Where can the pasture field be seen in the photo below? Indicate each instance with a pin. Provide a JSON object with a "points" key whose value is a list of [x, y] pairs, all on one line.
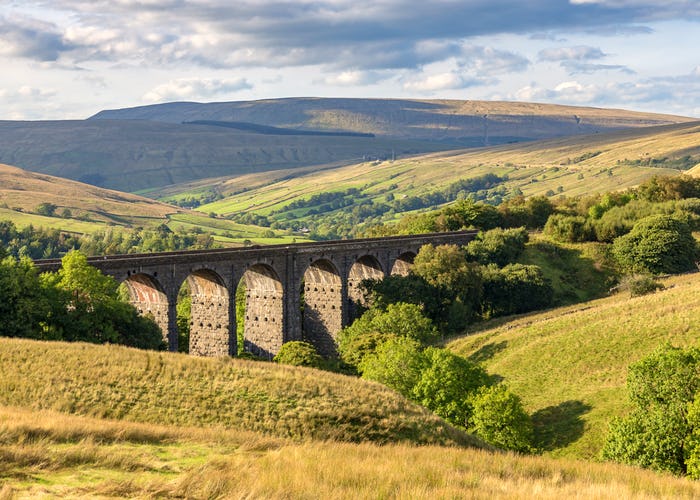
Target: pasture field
{"points": [[570, 166], [569, 364]]}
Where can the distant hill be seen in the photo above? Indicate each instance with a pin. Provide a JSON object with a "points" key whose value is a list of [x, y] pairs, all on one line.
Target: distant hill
{"points": [[469, 123], [135, 155], [24, 191], [82, 208], [137, 149], [568, 166]]}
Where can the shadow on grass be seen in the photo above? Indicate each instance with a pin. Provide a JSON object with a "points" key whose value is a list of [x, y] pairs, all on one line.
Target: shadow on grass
{"points": [[487, 351], [560, 425]]}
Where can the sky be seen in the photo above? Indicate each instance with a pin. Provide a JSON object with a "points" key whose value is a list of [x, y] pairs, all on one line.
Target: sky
{"points": [[69, 59]]}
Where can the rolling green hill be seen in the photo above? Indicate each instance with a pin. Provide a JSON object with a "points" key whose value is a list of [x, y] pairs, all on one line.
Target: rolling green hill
{"points": [[570, 166], [82, 208], [570, 364]]}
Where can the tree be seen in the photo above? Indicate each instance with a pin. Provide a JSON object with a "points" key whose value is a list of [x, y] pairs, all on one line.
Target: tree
{"points": [[412, 289], [47, 209], [86, 307], [657, 244], [499, 246], [568, 228], [23, 305], [517, 288], [659, 432], [298, 353], [446, 268], [446, 384], [397, 363], [465, 214], [498, 418]]}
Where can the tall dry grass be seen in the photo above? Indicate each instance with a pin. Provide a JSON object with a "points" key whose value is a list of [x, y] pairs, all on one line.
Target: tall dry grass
{"points": [[167, 388], [64, 456]]}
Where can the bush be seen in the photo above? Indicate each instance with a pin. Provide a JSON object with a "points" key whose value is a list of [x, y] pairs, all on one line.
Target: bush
{"points": [[498, 246], [657, 244], [400, 319], [397, 363], [639, 284], [498, 418], [568, 228], [515, 289], [446, 384], [660, 431], [298, 353]]}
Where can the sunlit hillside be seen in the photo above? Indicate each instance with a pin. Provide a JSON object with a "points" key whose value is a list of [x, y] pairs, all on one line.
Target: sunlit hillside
{"points": [[81, 208], [570, 364], [568, 166]]}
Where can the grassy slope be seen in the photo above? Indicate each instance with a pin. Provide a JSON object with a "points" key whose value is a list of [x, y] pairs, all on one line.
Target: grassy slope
{"points": [[45, 453], [166, 388], [534, 168], [93, 209], [569, 364], [23, 190]]}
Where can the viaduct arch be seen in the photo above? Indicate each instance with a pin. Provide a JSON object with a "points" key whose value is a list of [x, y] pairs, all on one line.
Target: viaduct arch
{"points": [[305, 291]]}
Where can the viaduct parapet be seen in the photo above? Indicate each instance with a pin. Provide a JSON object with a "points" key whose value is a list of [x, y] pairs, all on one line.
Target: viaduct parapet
{"points": [[305, 291]]}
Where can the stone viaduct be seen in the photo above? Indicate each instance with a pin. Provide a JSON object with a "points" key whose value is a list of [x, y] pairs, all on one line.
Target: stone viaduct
{"points": [[305, 291]]}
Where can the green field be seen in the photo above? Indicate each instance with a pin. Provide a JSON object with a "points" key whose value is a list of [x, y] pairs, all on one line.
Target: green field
{"points": [[570, 364], [569, 167]]}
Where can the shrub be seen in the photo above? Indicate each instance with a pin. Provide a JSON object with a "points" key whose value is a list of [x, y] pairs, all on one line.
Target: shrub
{"points": [[353, 348], [446, 384], [298, 353], [568, 228], [640, 284], [498, 246], [397, 363], [659, 432], [498, 418], [657, 244], [517, 288]]}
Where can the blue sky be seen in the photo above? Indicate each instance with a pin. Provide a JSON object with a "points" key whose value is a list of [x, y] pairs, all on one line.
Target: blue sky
{"points": [[70, 58]]}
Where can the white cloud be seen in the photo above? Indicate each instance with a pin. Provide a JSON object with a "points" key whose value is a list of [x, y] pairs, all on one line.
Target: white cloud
{"points": [[442, 81], [355, 78], [196, 88]]}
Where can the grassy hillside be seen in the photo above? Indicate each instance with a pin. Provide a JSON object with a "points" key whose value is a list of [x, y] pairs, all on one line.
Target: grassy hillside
{"points": [[167, 388], [92, 209], [570, 364], [23, 191], [44, 453], [568, 166], [470, 123]]}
